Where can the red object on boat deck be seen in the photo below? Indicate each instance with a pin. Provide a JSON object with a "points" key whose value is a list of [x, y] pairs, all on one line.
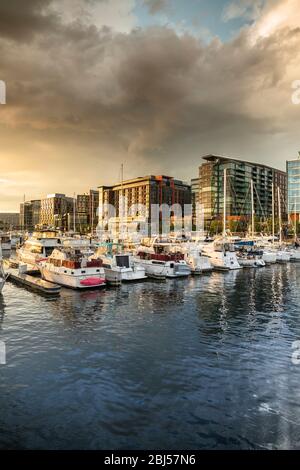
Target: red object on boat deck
{"points": [[92, 281]]}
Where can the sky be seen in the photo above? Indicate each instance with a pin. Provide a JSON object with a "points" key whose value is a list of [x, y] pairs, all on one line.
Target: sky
{"points": [[152, 84]]}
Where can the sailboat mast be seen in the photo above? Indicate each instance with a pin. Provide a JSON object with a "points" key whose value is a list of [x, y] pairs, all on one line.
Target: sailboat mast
{"points": [[92, 196], [295, 215], [252, 209], [23, 220], [273, 214], [224, 202], [74, 213], [279, 214], [121, 205]]}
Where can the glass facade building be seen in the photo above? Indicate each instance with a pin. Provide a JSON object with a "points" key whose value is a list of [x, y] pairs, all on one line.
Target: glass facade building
{"points": [[238, 201], [293, 176]]}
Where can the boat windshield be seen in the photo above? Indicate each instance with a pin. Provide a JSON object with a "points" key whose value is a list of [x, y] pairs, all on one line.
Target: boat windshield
{"points": [[48, 250], [122, 261]]}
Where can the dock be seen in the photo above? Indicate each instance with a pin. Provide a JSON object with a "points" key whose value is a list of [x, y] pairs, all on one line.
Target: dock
{"points": [[34, 283]]}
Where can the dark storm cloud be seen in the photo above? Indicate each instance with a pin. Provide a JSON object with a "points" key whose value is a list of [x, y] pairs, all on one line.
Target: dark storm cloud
{"points": [[21, 19], [147, 87]]}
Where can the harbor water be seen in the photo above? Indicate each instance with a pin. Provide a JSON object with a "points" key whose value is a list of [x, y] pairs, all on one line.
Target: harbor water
{"points": [[199, 363]]}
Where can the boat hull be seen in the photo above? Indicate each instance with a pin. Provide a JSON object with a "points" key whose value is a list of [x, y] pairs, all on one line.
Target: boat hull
{"points": [[71, 281], [133, 276], [251, 263], [153, 269], [283, 257], [113, 277], [225, 263], [269, 257], [199, 265]]}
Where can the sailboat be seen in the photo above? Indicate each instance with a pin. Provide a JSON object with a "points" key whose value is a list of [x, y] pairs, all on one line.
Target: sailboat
{"points": [[221, 251], [3, 275]]}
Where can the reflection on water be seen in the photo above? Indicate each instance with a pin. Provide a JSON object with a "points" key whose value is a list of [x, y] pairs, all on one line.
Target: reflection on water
{"points": [[192, 363]]}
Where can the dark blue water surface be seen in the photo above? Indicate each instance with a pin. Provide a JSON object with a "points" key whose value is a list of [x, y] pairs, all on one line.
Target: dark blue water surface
{"points": [[200, 363]]}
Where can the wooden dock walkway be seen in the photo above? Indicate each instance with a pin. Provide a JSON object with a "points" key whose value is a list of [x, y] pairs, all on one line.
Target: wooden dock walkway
{"points": [[34, 283]]}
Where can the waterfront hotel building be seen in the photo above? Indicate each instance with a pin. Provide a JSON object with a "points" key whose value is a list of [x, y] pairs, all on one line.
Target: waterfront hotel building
{"points": [[57, 212], [293, 177], [142, 193], [238, 188]]}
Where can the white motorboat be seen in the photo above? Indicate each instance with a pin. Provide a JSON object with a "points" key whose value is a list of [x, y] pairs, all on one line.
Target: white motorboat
{"points": [[159, 266], [250, 261], [69, 267], [163, 258], [198, 262], [221, 254], [37, 248], [269, 257], [154, 269], [122, 265], [283, 256], [125, 265]]}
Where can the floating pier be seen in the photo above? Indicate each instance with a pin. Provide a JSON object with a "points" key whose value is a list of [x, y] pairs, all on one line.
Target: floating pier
{"points": [[34, 283]]}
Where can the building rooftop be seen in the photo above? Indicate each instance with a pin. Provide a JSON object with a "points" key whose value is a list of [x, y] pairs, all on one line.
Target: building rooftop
{"points": [[55, 195], [139, 179], [212, 157]]}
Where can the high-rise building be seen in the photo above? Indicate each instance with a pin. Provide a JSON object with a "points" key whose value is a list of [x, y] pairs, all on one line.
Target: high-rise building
{"points": [[87, 211], [30, 214], [57, 212], [238, 188], [293, 177], [195, 197], [142, 193], [9, 220]]}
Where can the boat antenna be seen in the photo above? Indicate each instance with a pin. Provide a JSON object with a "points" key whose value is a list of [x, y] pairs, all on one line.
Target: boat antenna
{"points": [[74, 213], [121, 205]]}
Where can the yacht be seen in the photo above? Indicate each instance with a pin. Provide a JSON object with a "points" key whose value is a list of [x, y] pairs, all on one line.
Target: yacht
{"points": [[250, 259], [124, 267], [69, 267], [162, 265], [36, 248], [283, 256], [221, 254], [163, 258], [269, 257], [198, 262]]}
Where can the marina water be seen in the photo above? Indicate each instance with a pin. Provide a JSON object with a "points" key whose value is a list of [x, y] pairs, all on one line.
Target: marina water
{"points": [[198, 363]]}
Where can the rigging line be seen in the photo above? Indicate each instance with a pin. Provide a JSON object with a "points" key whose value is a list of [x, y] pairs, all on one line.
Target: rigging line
{"points": [[238, 204], [243, 205], [284, 201], [262, 210]]}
